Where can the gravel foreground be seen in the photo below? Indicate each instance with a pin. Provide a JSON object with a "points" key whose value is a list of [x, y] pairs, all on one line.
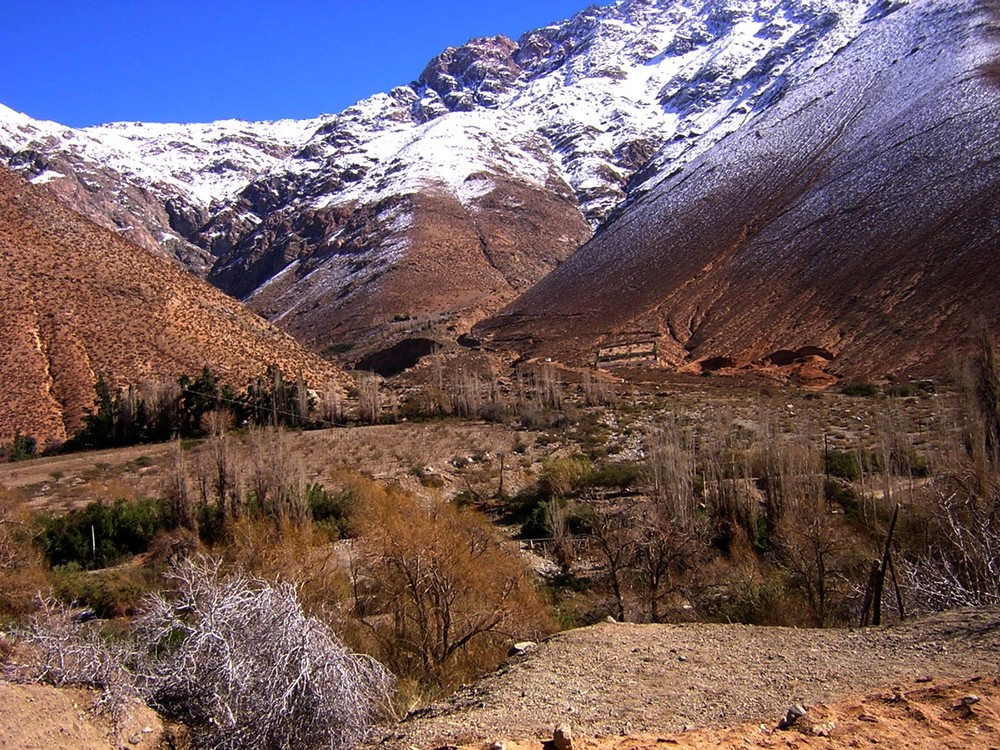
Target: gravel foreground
{"points": [[618, 679]]}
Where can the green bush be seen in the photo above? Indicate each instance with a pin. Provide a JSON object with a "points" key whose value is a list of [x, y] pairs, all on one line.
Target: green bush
{"points": [[842, 464], [860, 388], [331, 512], [843, 494], [110, 593], [849, 464], [21, 448], [748, 599], [564, 476], [100, 535], [617, 475]]}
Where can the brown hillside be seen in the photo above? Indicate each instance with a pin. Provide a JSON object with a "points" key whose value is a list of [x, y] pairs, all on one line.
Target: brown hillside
{"points": [[858, 217], [455, 265], [77, 301]]}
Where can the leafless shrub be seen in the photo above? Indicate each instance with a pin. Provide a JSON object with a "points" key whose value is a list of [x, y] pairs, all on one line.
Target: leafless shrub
{"points": [[440, 595], [233, 656], [13, 530], [69, 652], [238, 659], [961, 567]]}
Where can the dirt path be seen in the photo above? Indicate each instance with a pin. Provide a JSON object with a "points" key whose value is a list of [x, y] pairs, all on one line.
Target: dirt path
{"points": [[622, 679]]}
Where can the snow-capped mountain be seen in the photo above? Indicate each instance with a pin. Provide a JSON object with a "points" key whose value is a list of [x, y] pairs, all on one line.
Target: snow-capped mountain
{"points": [[854, 226], [443, 199], [154, 183]]}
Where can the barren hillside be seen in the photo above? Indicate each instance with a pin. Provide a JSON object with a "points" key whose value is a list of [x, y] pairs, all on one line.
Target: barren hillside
{"points": [[78, 302]]}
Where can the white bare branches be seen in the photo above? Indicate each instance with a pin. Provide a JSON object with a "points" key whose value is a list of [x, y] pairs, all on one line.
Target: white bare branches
{"points": [[235, 657], [68, 651], [239, 660], [961, 568]]}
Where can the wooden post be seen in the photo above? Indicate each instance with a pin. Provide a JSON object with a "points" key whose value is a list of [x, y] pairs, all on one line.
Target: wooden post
{"points": [[883, 569], [500, 491], [895, 584], [869, 591]]}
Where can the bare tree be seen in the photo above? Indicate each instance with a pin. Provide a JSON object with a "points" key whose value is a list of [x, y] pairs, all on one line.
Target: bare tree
{"points": [[557, 515], [244, 666], [277, 478], [466, 393], [233, 656], [613, 537], [816, 551], [177, 492], [369, 398], [672, 470]]}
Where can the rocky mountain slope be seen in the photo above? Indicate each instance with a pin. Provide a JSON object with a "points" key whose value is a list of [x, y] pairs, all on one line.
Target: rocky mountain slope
{"points": [[79, 302], [152, 183], [855, 219], [443, 199]]}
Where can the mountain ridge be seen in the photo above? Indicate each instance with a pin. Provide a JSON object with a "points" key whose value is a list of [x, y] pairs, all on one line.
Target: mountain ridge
{"points": [[855, 218], [576, 110]]}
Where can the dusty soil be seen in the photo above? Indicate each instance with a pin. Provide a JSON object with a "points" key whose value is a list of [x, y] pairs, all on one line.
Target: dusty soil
{"points": [[616, 679], [37, 717], [931, 718]]}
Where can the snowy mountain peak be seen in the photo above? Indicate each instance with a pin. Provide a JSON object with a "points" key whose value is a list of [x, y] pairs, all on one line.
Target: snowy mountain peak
{"points": [[564, 126]]}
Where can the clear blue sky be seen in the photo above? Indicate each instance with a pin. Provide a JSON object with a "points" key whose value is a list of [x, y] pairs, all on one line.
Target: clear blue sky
{"points": [[85, 62]]}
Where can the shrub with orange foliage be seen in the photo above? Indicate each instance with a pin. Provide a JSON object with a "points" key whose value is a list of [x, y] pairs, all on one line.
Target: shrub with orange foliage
{"points": [[440, 595]]}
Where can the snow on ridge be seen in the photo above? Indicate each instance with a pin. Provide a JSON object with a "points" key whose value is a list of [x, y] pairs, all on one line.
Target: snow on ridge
{"points": [[47, 176], [206, 162], [619, 84]]}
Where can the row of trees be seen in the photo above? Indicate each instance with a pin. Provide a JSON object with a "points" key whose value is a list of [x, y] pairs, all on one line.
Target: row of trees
{"points": [[158, 411]]}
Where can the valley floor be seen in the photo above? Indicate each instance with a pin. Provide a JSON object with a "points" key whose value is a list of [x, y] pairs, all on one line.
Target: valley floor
{"points": [[640, 686]]}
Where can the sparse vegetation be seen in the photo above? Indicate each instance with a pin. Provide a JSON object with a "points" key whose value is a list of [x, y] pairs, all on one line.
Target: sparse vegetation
{"points": [[235, 657], [656, 508]]}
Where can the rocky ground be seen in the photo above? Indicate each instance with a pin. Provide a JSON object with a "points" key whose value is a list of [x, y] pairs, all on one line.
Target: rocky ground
{"points": [[928, 683], [625, 686]]}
